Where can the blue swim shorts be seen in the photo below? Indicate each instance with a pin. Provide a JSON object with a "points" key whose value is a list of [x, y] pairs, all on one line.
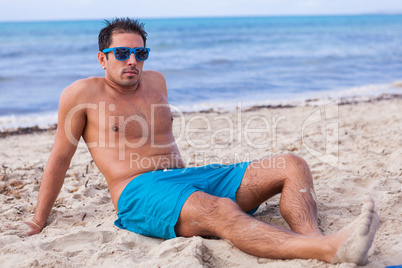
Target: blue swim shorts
{"points": [[151, 203]]}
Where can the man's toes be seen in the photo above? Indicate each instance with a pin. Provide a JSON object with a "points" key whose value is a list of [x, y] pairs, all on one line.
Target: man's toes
{"points": [[374, 223], [364, 227], [368, 205]]}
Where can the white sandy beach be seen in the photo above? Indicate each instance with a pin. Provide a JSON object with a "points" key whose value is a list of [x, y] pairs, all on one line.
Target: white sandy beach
{"points": [[360, 154]]}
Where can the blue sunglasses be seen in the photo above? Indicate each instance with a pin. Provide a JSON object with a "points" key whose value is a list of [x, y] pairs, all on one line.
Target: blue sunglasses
{"points": [[123, 53]]}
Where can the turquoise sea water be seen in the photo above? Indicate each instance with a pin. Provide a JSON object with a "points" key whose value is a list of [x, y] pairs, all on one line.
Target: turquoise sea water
{"points": [[208, 62]]}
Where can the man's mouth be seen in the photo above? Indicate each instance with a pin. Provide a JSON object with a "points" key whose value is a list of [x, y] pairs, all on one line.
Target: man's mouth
{"points": [[131, 72]]}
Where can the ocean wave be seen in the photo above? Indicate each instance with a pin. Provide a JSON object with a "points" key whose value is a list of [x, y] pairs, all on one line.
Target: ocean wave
{"points": [[15, 51], [219, 62], [363, 92], [42, 120]]}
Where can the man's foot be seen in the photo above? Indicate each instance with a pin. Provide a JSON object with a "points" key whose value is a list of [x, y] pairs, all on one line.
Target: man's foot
{"points": [[358, 236]]}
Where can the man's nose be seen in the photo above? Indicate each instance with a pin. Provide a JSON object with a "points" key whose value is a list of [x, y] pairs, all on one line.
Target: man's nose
{"points": [[132, 60]]}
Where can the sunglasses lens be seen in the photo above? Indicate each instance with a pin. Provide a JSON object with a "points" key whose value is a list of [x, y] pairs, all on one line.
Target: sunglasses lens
{"points": [[122, 53], [141, 54]]}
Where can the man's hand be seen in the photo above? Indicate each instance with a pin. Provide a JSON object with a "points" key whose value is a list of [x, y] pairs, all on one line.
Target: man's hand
{"points": [[34, 228], [23, 229]]}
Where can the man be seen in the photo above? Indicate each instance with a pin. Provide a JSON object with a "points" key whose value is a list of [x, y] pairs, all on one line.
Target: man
{"points": [[126, 123]]}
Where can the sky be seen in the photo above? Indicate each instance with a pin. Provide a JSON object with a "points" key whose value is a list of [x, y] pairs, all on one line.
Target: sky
{"points": [[43, 10]]}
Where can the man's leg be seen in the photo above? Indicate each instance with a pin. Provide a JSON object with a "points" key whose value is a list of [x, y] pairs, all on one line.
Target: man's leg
{"points": [[207, 215], [290, 176]]}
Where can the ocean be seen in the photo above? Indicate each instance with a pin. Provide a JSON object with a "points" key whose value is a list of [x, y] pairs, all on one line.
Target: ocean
{"points": [[207, 62]]}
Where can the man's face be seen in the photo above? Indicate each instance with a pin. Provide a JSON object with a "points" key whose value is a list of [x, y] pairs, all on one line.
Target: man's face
{"points": [[124, 73]]}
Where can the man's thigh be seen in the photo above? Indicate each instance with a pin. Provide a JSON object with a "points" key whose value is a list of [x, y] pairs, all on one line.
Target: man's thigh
{"points": [[194, 210], [263, 179], [202, 213]]}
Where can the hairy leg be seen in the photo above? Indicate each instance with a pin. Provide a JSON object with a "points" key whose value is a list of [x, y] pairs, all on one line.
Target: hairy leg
{"points": [[290, 176], [205, 215]]}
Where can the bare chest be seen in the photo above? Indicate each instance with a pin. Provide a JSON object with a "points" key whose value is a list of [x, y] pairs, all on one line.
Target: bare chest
{"points": [[131, 119]]}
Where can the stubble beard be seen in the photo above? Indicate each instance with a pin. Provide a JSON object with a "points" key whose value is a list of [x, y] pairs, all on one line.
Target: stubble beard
{"points": [[130, 81]]}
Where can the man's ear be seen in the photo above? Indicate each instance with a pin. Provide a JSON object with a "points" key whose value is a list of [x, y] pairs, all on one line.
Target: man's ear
{"points": [[102, 59]]}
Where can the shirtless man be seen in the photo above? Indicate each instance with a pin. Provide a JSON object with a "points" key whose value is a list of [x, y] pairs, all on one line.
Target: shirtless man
{"points": [[115, 117]]}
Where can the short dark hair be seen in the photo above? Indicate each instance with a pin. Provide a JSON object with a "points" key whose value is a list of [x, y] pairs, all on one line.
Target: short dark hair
{"points": [[120, 25]]}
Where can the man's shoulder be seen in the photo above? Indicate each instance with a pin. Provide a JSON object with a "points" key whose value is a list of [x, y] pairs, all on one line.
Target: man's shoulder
{"points": [[86, 84], [153, 75], [84, 87], [155, 80]]}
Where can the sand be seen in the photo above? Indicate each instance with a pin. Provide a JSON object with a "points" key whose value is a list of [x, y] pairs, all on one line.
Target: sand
{"points": [[354, 149]]}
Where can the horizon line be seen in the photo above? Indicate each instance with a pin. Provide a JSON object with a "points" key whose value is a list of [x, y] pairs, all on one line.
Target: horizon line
{"points": [[211, 17]]}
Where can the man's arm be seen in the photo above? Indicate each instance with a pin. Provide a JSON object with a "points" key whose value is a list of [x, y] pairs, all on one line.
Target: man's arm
{"points": [[71, 124]]}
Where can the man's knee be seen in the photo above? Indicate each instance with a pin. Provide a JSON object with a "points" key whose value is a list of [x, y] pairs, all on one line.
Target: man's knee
{"points": [[297, 170], [292, 161]]}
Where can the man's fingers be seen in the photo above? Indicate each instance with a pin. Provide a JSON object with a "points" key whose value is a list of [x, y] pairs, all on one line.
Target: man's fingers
{"points": [[16, 225], [22, 229], [16, 228], [33, 228]]}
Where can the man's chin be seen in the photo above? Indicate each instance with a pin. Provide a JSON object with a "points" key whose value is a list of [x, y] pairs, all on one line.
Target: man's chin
{"points": [[129, 83]]}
